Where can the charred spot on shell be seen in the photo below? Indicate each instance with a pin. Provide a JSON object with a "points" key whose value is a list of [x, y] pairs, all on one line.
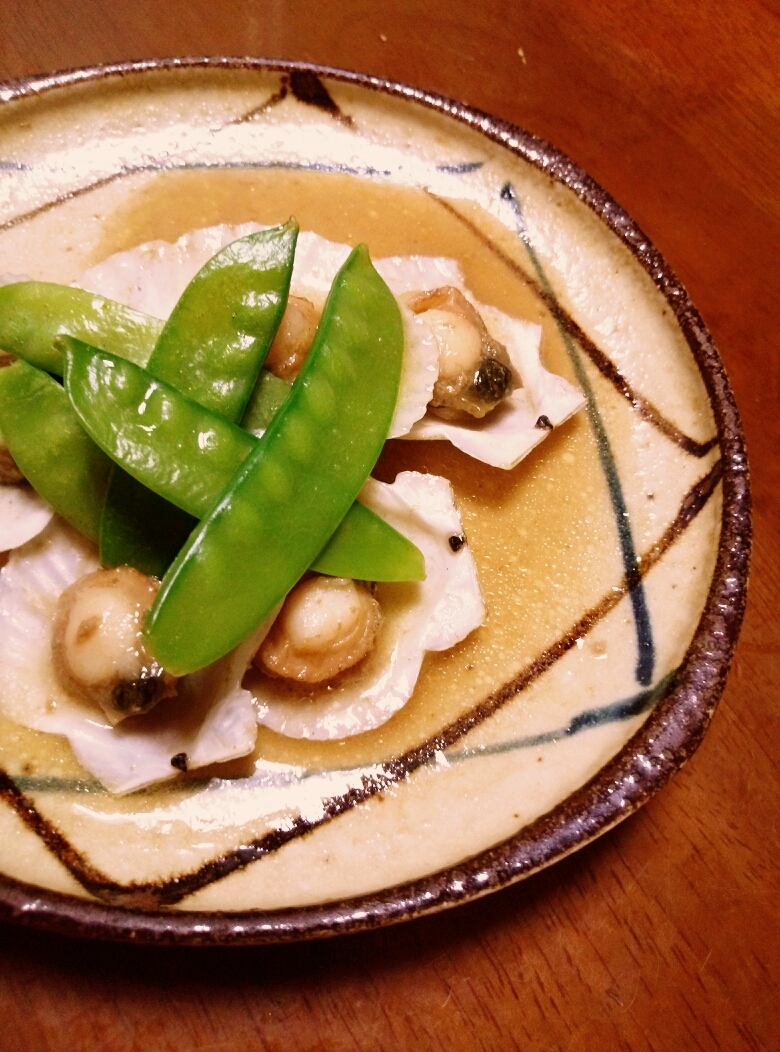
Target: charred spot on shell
{"points": [[136, 696], [180, 762], [457, 542]]}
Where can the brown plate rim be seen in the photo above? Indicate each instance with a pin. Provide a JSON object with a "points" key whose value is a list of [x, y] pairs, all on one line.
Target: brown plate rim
{"points": [[666, 740]]}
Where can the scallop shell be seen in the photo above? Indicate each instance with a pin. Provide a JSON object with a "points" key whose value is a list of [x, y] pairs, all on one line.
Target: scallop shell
{"points": [[510, 431], [151, 278], [23, 515], [419, 616], [211, 720]]}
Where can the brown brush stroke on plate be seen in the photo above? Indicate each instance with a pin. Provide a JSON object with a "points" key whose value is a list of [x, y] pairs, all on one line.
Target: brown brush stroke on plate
{"points": [[306, 87]]}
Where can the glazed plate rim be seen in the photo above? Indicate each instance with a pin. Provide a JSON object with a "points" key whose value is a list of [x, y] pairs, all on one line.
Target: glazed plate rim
{"points": [[664, 742]]}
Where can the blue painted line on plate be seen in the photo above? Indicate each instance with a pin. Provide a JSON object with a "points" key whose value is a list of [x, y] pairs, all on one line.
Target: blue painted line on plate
{"points": [[206, 166], [460, 169], [184, 166], [644, 630], [616, 712]]}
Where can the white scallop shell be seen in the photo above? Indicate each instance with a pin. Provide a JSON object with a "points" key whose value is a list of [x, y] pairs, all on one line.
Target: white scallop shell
{"points": [[151, 278], [211, 720], [509, 432], [433, 614], [23, 514]]}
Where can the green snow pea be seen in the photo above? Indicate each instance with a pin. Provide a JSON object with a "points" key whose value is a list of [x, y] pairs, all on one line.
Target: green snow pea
{"points": [[138, 528], [369, 549], [188, 455], [34, 313], [291, 493], [51, 448], [265, 401], [211, 348], [168, 442], [143, 530], [216, 339]]}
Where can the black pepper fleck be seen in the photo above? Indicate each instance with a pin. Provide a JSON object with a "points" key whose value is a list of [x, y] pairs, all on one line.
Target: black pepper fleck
{"points": [[179, 761], [456, 543], [544, 423]]}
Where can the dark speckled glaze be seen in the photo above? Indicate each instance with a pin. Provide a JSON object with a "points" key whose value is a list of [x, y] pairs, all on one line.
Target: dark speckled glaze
{"points": [[666, 740]]}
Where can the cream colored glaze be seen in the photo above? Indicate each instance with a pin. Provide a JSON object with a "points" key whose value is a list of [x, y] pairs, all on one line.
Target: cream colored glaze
{"points": [[543, 535]]}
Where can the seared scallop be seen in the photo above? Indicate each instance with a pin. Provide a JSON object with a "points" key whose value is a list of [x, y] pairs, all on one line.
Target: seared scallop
{"points": [[327, 625], [475, 371], [97, 644], [293, 339]]}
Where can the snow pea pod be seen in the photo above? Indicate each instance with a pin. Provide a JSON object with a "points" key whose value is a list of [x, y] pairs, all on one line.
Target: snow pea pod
{"points": [[171, 444], [143, 530], [50, 447], [291, 493], [162, 440], [140, 529], [266, 400], [34, 313], [217, 337], [367, 548], [211, 348]]}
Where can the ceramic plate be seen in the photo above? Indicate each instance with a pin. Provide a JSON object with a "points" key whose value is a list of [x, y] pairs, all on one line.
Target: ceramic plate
{"points": [[613, 559]]}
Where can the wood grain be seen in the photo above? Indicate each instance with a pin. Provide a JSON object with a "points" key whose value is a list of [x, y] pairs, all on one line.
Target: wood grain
{"points": [[664, 935]]}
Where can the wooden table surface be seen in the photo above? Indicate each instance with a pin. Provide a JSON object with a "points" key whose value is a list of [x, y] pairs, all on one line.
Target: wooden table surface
{"points": [[666, 933]]}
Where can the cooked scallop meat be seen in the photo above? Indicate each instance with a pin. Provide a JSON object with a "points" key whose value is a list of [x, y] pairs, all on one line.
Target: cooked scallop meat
{"points": [[293, 339], [417, 616], [211, 719], [326, 625], [97, 643], [475, 372], [522, 420]]}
